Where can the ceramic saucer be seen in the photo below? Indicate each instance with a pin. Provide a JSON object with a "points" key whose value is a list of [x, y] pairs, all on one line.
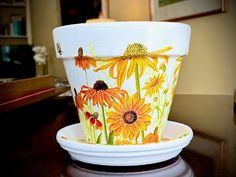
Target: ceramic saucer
{"points": [[71, 138]]}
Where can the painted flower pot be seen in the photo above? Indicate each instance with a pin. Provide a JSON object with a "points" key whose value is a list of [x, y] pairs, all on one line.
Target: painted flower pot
{"points": [[122, 76]]}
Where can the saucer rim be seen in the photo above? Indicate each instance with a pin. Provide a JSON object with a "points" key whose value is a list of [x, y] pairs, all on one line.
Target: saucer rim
{"points": [[76, 145]]}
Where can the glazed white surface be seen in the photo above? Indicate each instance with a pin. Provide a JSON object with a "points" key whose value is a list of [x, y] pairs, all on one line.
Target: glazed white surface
{"points": [[124, 155], [111, 38]]}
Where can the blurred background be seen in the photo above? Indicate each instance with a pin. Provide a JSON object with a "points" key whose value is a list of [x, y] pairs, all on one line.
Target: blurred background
{"points": [[205, 95]]}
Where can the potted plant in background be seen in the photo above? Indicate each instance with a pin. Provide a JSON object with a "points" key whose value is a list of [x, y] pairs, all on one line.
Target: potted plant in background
{"points": [[41, 57]]}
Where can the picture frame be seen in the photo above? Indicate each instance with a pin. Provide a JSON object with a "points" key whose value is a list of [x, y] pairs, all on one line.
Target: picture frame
{"points": [[175, 10]]}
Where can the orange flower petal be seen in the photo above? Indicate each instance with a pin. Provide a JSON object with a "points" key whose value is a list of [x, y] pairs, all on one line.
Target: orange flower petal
{"points": [[121, 72], [146, 118], [91, 61], [116, 125], [100, 97], [140, 66], [141, 125], [131, 68], [144, 109], [134, 129], [119, 130], [126, 132], [114, 95], [103, 67], [79, 101], [149, 63], [114, 114], [118, 108], [95, 99], [89, 95], [111, 71], [139, 104], [107, 99]]}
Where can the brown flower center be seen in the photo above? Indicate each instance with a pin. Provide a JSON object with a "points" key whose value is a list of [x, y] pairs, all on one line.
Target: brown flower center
{"points": [[100, 85], [80, 52], [129, 117]]}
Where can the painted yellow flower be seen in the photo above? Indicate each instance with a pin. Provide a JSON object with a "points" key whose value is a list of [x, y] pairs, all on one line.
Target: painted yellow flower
{"points": [[159, 53], [154, 84], [84, 62], [101, 94], [122, 142], [134, 60], [130, 116], [151, 137]]}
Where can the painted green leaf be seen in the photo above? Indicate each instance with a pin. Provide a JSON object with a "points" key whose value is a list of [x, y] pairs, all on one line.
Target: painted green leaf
{"points": [[183, 135], [99, 139], [111, 138]]}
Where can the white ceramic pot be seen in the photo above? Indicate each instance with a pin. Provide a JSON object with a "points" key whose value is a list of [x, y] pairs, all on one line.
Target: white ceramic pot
{"points": [[122, 76]]}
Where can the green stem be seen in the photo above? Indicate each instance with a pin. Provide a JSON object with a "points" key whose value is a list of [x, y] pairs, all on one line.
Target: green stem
{"points": [[158, 106], [86, 77], [94, 135], [142, 135], [158, 115], [85, 126], [137, 84], [90, 131], [104, 124], [155, 130]]}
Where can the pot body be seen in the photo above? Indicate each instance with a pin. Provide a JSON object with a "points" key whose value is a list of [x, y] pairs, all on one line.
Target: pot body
{"points": [[122, 76]]}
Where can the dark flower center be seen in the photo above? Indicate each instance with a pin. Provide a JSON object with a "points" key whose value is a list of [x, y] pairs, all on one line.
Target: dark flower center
{"points": [[80, 52], [130, 117], [100, 85]]}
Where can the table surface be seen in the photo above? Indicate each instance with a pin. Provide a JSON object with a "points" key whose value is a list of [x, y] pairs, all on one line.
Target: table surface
{"points": [[31, 97], [30, 149]]}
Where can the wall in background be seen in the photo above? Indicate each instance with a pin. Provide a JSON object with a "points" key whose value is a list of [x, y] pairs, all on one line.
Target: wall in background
{"points": [[130, 10], [45, 15], [210, 67]]}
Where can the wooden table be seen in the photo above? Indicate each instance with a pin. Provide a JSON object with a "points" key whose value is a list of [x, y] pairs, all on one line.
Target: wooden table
{"points": [[31, 97]]}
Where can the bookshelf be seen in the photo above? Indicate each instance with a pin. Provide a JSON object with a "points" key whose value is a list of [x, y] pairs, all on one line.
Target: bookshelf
{"points": [[15, 25]]}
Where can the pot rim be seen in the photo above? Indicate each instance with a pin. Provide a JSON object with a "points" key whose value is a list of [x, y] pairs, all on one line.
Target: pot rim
{"points": [[116, 36]]}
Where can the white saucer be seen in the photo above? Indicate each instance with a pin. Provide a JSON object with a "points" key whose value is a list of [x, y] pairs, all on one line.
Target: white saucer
{"points": [[125, 155]]}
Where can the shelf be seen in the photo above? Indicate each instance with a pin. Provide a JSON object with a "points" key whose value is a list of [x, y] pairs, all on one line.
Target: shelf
{"points": [[15, 19], [13, 40], [14, 37], [12, 5]]}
